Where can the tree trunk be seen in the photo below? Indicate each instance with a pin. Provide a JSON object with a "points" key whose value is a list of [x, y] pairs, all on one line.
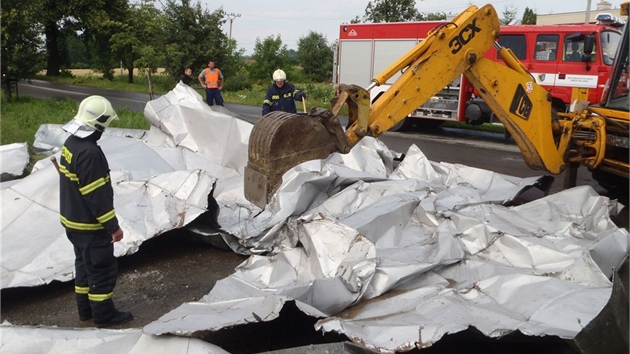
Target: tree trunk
{"points": [[53, 64], [130, 74], [6, 88], [150, 80]]}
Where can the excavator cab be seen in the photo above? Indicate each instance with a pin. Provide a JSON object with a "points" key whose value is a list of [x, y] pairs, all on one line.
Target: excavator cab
{"points": [[612, 172]]}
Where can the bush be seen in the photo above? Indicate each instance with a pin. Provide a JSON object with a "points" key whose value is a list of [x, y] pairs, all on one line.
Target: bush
{"points": [[295, 74], [319, 94], [65, 73], [240, 81]]}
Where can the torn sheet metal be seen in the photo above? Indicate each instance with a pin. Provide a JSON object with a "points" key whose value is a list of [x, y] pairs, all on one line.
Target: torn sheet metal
{"points": [[444, 261], [355, 239], [14, 159], [150, 199], [181, 118], [315, 182], [335, 263], [157, 189], [418, 218], [51, 340], [49, 137]]}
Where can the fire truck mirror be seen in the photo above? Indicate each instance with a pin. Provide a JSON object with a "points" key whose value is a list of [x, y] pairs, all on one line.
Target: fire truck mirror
{"points": [[589, 43]]}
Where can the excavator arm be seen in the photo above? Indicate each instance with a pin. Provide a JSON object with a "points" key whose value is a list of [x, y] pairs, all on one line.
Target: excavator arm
{"points": [[547, 139], [280, 141]]}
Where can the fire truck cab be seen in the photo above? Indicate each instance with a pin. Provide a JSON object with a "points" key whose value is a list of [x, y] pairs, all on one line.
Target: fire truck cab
{"points": [[560, 57]]}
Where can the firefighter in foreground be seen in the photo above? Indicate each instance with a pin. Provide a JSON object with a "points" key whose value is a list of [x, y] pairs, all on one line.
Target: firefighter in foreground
{"points": [[593, 136], [87, 213]]}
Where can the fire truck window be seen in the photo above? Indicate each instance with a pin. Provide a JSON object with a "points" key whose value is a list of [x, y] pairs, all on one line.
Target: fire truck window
{"points": [[610, 41], [546, 47], [621, 83], [573, 50], [516, 43]]}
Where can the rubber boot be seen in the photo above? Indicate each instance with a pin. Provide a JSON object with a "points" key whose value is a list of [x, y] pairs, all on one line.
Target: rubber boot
{"points": [[105, 314], [84, 308]]}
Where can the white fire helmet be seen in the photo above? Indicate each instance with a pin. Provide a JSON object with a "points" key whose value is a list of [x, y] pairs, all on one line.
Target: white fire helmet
{"points": [[279, 75], [95, 113]]}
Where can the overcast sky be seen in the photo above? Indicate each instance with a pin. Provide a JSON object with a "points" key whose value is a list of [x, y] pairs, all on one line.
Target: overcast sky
{"points": [[293, 19]]}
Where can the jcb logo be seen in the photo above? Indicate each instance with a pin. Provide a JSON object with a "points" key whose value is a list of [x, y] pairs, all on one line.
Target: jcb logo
{"points": [[521, 104], [464, 36]]}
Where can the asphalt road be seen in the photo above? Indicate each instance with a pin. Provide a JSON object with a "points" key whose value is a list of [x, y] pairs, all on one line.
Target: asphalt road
{"points": [[119, 99]]}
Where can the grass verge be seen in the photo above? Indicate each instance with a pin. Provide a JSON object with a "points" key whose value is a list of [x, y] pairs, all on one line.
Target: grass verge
{"points": [[22, 118]]}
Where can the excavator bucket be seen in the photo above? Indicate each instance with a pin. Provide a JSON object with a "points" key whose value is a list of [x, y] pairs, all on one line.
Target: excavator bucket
{"points": [[280, 141]]}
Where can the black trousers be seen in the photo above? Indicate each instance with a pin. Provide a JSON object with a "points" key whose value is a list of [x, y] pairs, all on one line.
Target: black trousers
{"points": [[95, 266]]}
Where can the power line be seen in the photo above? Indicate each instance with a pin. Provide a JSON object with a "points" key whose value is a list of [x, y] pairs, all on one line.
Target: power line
{"points": [[232, 16]]}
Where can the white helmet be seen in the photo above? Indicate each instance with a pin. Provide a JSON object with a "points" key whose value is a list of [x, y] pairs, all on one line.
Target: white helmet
{"points": [[95, 113], [279, 75]]}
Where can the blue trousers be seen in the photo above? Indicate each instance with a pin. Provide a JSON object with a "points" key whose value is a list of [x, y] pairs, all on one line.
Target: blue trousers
{"points": [[214, 96]]}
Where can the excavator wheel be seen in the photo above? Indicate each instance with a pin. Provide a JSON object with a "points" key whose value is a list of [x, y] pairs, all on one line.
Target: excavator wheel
{"points": [[278, 142]]}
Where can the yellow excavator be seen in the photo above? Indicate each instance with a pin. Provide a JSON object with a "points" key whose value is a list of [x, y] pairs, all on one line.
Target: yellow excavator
{"points": [[595, 136]]}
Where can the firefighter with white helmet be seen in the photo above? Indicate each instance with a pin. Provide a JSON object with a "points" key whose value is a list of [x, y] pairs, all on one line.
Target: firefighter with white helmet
{"points": [[95, 114], [279, 75], [87, 212], [281, 96]]}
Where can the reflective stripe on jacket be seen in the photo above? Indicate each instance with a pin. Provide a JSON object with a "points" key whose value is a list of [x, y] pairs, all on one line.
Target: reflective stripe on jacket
{"points": [[86, 194], [281, 99]]}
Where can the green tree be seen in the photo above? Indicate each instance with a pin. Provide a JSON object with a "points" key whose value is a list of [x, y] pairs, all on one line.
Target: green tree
{"points": [[269, 54], [315, 56], [378, 11], [509, 15], [293, 57], [135, 45], [77, 55], [529, 17], [193, 36], [98, 22], [52, 14], [433, 16], [58, 27], [21, 43]]}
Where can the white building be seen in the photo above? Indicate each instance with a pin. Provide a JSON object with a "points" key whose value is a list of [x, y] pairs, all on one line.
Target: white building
{"points": [[577, 17]]}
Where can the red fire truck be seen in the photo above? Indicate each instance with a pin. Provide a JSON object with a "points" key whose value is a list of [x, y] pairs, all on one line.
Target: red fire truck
{"points": [[557, 56]]}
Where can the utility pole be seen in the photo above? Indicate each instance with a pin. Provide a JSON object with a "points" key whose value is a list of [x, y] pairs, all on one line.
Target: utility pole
{"points": [[232, 16], [588, 12]]}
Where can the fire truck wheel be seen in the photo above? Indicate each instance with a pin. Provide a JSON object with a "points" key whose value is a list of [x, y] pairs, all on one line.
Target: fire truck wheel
{"points": [[403, 125]]}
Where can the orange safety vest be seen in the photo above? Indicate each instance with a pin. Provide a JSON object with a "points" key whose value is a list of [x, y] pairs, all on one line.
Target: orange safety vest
{"points": [[212, 78]]}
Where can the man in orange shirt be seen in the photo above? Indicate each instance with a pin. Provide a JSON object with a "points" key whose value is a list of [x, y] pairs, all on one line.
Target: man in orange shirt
{"points": [[212, 80]]}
